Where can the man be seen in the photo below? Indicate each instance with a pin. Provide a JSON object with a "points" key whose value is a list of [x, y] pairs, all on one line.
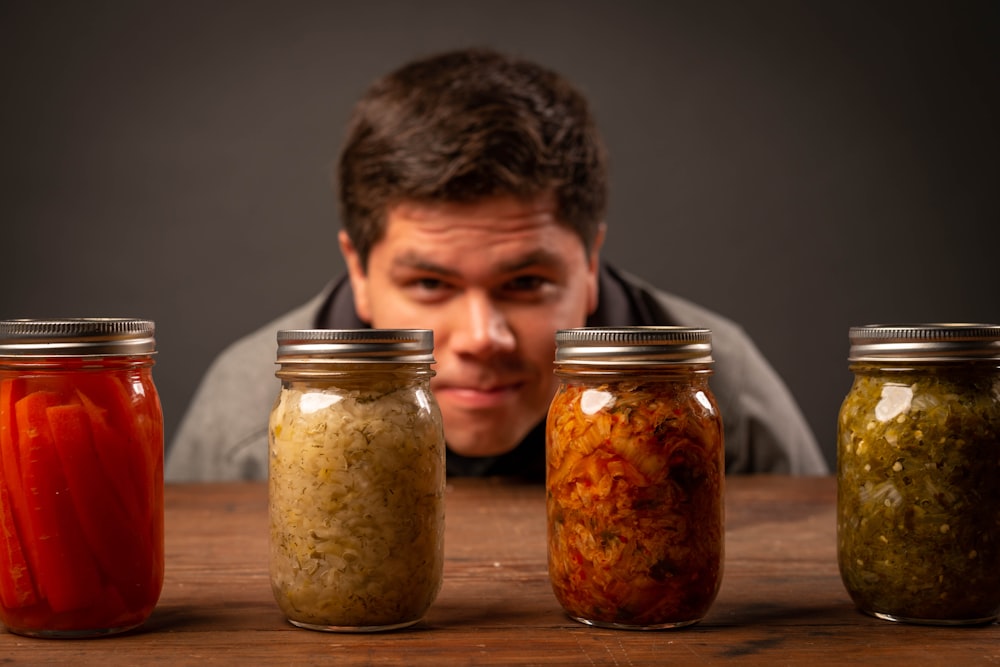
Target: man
{"points": [[472, 194]]}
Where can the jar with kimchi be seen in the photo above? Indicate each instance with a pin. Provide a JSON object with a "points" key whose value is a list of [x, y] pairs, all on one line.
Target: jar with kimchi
{"points": [[918, 459], [356, 478], [635, 476], [81, 477]]}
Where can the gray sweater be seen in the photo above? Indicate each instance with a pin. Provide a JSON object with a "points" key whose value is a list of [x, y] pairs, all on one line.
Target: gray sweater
{"points": [[223, 435]]}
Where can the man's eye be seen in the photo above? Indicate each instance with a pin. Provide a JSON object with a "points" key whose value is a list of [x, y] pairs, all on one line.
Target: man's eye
{"points": [[526, 284], [429, 284], [427, 288]]}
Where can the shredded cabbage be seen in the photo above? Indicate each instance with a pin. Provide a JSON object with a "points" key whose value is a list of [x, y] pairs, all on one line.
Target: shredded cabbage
{"points": [[356, 481]]}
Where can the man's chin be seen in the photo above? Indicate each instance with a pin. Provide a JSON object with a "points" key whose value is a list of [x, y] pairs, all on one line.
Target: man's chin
{"points": [[473, 447], [485, 433]]}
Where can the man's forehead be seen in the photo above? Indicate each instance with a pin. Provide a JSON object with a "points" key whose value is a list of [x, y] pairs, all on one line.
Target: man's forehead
{"points": [[541, 207]]}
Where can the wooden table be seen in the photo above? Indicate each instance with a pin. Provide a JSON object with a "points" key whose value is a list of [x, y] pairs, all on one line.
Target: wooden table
{"points": [[781, 600]]}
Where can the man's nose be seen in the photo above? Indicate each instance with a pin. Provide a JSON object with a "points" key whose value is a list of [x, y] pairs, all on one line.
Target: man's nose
{"points": [[483, 328]]}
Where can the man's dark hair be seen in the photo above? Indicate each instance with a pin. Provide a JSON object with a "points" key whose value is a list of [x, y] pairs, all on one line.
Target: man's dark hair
{"points": [[465, 125]]}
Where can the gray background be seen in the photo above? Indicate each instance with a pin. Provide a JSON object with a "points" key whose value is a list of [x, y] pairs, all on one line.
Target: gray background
{"points": [[799, 166]]}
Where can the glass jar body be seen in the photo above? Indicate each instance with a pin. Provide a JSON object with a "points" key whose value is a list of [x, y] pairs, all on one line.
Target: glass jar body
{"points": [[918, 516], [81, 495], [356, 494], [635, 477]]}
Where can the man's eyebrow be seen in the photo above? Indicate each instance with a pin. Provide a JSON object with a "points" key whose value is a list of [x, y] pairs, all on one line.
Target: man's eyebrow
{"points": [[540, 257], [413, 261]]}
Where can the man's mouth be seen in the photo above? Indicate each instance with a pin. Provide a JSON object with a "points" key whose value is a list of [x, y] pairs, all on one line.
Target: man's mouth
{"points": [[477, 396]]}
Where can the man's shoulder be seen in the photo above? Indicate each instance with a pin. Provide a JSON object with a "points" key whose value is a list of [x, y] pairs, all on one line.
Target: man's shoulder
{"points": [[242, 374], [261, 343], [738, 360], [223, 434], [677, 310]]}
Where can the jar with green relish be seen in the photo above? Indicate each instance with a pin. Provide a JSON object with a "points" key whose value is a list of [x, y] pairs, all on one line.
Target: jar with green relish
{"points": [[918, 472]]}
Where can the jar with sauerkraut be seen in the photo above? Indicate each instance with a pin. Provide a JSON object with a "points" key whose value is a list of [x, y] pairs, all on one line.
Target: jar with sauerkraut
{"points": [[918, 464], [635, 477], [356, 480]]}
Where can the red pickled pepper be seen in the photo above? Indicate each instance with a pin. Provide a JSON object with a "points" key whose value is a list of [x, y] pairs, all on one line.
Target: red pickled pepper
{"points": [[118, 552], [62, 456], [11, 389], [114, 427], [16, 587], [67, 574]]}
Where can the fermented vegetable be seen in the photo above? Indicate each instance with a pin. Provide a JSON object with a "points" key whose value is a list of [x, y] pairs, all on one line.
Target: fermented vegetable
{"points": [[81, 518], [356, 506], [634, 493], [919, 503]]}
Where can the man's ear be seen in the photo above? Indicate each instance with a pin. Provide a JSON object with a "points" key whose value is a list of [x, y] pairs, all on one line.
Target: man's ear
{"points": [[593, 268], [356, 273]]}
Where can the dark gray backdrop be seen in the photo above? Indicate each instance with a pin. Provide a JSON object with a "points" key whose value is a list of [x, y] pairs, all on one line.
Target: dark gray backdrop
{"points": [[798, 166]]}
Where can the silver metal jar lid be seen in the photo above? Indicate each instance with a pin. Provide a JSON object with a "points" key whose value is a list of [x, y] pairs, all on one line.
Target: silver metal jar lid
{"points": [[72, 337], [633, 346], [355, 345], [925, 342]]}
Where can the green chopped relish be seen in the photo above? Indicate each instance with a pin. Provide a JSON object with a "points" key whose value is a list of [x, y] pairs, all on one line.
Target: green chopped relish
{"points": [[918, 518]]}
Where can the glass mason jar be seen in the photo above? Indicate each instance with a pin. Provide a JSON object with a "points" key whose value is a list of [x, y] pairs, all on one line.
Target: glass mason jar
{"points": [[918, 471], [356, 479], [635, 477], [81, 477]]}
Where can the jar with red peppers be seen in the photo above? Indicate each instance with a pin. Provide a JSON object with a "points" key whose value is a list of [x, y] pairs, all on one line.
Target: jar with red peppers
{"points": [[635, 475], [81, 477]]}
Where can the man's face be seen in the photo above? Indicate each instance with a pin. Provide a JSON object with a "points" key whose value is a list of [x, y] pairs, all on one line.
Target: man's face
{"points": [[494, 279]]}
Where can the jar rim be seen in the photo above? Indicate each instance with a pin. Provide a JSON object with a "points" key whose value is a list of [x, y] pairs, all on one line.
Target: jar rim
{"points": [[355, 345], [948, 341], [77, 336], [634, 346]]}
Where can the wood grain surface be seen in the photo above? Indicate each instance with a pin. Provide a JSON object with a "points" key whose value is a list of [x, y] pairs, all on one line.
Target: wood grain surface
{"points": [[781, 602]]}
